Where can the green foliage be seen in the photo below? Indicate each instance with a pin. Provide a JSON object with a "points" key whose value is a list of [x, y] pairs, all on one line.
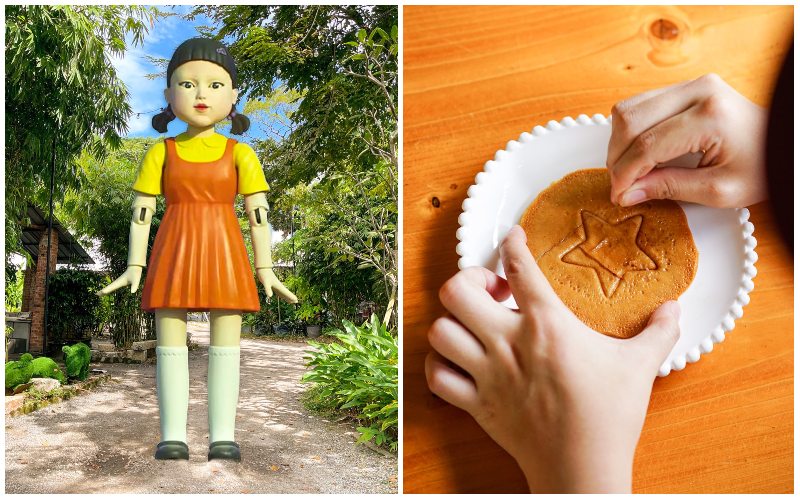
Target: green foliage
{"points": [[309, 313], [15, 280], [102, 210], [9, 333], [77, 359], [334, 173], [75, 312], [305, 49], [63, 95], [314, 401], [19, 372], [275, 312], [344, 244], [360, 372], [45, 367]]}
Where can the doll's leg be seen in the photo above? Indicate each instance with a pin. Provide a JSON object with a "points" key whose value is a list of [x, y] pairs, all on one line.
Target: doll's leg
{"points": [[172, 383], [223, 383]]}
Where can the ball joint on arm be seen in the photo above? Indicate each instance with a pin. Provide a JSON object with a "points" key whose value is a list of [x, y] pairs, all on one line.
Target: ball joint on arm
{"points": [[144, 206], [257, 207]]}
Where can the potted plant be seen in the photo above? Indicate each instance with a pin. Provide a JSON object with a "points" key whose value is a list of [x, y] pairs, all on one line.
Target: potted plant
{"points": [[248, 322], [311, 315]]}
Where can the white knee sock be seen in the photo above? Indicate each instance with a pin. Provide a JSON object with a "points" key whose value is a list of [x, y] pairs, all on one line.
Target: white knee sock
{"points": [[172, 384], [223, 392]]}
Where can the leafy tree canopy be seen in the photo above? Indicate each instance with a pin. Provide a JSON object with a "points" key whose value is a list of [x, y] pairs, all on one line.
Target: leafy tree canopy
{"points": [[101, 209], [311, 50], [334, 175], [63, 94]]}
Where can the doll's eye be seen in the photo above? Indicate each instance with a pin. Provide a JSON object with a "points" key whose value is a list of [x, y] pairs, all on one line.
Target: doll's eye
{"points": [[217, 85], [186, 85]]}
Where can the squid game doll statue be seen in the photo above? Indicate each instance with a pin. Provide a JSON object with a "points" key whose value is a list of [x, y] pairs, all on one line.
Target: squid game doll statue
{"points": [[199, 261]]}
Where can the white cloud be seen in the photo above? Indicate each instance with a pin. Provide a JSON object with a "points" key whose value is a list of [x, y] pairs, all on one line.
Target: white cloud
{"points": [[145, 95]]}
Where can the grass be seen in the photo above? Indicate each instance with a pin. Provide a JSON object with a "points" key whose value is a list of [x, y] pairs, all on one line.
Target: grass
{"points": [[35, 395]]}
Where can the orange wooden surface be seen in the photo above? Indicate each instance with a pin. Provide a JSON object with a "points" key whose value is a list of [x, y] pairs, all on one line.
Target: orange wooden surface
{"points": [[476, 77]]}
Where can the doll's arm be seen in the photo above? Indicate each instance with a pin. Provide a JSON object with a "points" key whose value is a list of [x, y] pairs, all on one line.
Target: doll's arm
{"points": [[261, 233], [144, 206]]}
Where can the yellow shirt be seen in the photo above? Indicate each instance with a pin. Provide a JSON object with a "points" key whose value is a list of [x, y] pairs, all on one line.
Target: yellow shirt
{"points": [[201, 149]]}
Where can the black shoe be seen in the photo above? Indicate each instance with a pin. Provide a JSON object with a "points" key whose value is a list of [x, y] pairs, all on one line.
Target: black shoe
{"points": [[226, 450], [172, 450]]}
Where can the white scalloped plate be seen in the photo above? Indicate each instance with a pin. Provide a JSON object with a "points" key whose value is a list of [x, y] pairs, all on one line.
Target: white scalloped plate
{"points": [[510, 182]]}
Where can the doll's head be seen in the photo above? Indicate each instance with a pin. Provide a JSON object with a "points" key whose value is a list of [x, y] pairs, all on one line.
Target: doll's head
{"points": [[201, 87]]}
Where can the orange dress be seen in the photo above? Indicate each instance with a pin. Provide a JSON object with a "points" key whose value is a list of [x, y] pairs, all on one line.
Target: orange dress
{"points": [[199, 261]]}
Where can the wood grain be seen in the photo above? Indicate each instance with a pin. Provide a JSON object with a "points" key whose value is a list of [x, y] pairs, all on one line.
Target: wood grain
{"points": [[476, 77]]}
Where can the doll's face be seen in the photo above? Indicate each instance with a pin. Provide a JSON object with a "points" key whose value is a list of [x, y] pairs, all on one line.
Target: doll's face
{"points": [[201, 93]]}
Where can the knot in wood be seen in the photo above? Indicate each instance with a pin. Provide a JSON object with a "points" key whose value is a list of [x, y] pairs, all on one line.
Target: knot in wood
{"points": [[665, 29]]}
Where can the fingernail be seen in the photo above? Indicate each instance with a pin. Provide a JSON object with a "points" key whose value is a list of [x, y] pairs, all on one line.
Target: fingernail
{"points": [[673, 308], [632, 197], [517, 231]]}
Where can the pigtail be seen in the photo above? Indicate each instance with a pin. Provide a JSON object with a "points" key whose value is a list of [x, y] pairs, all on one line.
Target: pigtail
{"points": [[239, 123], [161, 120]]}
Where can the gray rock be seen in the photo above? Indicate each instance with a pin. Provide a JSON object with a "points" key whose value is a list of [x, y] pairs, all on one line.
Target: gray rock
{"points": [[102, 345], [14, 403], [45, 384], [144, 345]]}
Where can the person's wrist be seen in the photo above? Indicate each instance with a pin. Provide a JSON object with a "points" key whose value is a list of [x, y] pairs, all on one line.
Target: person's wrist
{"points": [[606, 473]]}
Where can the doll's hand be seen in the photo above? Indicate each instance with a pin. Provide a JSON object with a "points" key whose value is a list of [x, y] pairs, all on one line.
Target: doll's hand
{"points": [[566, 402], [705, 115], [271, 283], [131, 277]]}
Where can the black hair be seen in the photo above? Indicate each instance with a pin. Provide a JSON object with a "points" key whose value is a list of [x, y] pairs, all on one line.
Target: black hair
{"points": [[202, 49], [161, 120], [780, 150], [239, 123]]}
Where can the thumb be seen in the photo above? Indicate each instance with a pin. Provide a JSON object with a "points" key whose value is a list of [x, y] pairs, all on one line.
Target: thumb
{"points": [[661, 333], [528, 284], [695, 185]]}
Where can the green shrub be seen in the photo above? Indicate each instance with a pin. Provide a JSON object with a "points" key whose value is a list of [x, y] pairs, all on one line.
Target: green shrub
{"points": [[77, 359], [19, 372], [47, 368], [274, 312], [75, 312], [359, 372], [14, 283]]}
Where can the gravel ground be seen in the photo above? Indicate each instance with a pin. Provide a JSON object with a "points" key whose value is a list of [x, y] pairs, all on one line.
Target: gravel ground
{"points": [[103, 441]]}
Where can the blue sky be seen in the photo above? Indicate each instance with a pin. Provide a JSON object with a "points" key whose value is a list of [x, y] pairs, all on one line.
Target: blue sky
{"points": [[147, 96]]}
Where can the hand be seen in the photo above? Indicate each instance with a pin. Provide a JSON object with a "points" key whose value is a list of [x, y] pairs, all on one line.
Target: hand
{"points": [[271, 283], [705, 115], [566, 402], [131, 277]]}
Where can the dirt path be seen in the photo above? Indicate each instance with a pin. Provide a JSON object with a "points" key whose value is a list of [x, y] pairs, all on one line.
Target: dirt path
{"points": [[103, 441]]}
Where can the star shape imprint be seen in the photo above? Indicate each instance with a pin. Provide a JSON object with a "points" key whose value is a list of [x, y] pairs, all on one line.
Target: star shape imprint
{"points": [[610, 250]]}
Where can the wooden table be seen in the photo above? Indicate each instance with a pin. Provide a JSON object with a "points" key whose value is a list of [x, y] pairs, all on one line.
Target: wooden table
{"points": [[476, 77]]}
